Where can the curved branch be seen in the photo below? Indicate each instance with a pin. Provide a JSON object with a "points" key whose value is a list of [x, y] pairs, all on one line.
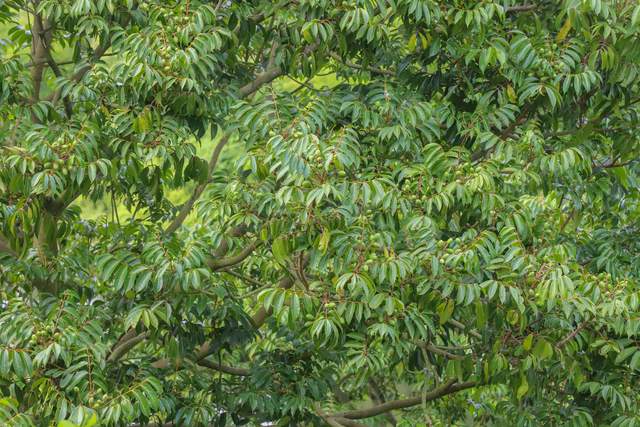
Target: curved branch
{"points": [[241, 372], [197, 192], [433, 349], [462, 327], [261, 315], [271, 73], [121, 349], [98, 53], [267, 76], [218, 264], [447, 388], [571, 335], [244, 91], [247, 279]]}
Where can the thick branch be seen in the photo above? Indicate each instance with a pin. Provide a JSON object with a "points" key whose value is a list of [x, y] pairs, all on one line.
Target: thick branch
{"points": [[218, 264], [241, 372], [68, 107], [286, 282], [333, 421], [521, 8], [267, 76], [124, 347], [224, 245], [41, 37], [447, 388], [378, 398]]}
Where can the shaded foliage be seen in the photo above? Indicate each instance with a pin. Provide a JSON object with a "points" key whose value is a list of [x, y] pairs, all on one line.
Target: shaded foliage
{"points": [[451, 228]]}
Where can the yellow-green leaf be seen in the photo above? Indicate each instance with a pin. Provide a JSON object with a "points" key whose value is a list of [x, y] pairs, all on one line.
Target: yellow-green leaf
{"points": [[566, 27]]}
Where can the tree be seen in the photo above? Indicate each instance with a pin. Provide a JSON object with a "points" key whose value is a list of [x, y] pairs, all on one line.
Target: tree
{"points": [[414, 212]]}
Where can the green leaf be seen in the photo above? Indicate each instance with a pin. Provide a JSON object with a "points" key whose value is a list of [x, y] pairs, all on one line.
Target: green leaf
{"points": [[445, 310], [528, 342], [280, 249], [523, 388], [625, 354], [542, 349]]}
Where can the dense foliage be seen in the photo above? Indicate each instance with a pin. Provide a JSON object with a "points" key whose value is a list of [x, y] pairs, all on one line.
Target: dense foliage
{"points": [[445, 232]]}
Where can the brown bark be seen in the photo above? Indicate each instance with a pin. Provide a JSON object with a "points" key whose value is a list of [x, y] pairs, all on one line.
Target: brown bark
{"points": [[41, 33], [447, 388]]}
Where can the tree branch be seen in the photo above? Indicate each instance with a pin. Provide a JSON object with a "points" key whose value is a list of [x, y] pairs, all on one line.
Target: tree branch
{"points": [[219, 264], [331, 421], [271, 73], [124, 347], [197, 192], [247, 279], [378, 399], [521, 8], [261, 315], [286, 282], [350, 64], [462, 327], [571, 335], [98, 53], [199, 358], [68, 107], [41, 37], [241, 372], [434, 349], [447, 388], [265, 77]]}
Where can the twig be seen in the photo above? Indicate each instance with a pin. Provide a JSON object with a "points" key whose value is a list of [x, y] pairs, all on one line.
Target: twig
{"points": [[303, 84], [461, 326], [360, 67], [434, 349], [197, 192], [571, 335]]}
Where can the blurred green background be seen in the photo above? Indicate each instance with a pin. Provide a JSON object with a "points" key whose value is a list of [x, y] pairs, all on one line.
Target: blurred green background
{"points": [[93, 210]]}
